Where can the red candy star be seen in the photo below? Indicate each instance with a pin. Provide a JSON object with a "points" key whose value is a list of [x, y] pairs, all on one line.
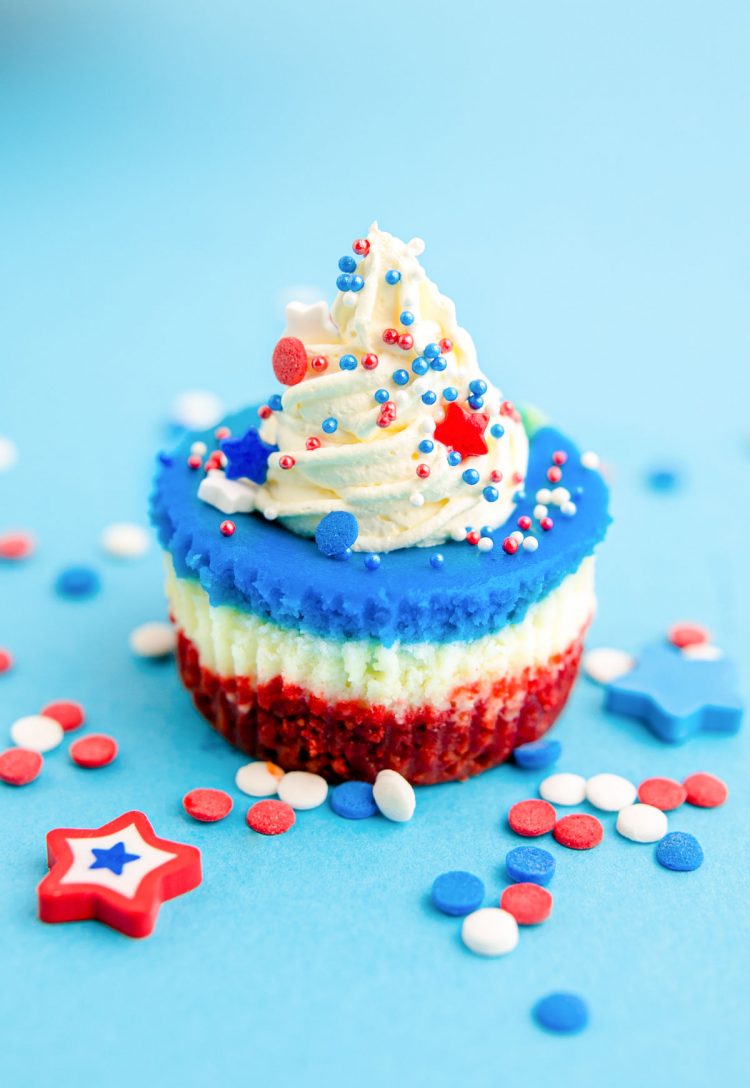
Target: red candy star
{"points": [[463, 431]]}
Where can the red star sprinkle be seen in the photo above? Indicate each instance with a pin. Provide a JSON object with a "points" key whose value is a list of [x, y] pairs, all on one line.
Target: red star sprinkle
{"points": [[463, 431]]}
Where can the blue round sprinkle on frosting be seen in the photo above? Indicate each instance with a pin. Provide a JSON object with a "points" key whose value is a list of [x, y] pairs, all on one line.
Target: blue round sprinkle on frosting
{"points": [[165, 459], [470, 476], [497, 430], [478, 386], [437, 560], [274, 403], [426, 445], [431, 351], [353, 800], [347, 263], [440, 363], [77, 582], [348, 362], [330, 424], [343, 556], [401, 377], [420, 365], [450, 392], [530, 864], [382, 395], [476, 403], [357, 283], [680, 852], [336, 532], [563, 1013], [457, 892], [537, 754], [344, 282], [392, 276], [454, 458], [429, 397], [491, 494], [372, 561], [407, 317], [485, 531]]}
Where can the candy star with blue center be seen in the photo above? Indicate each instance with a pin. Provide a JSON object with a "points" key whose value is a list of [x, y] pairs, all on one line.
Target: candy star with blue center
{"points": [[247, 456], [676, 696], [114, 858]]}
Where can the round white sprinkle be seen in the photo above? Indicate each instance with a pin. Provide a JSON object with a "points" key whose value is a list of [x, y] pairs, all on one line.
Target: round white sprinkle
{"points": [[642, 823], [544, 495], [490, 931], [530, 543], [8, 453], [563, 789], [560, 495], [540, 511], [427, 425], [200, 449], [303, 790], [517, 536], [590, 459], [258, 779], [458, 533], [416, 498], [197, 410], [154, 639], [610, 792], [271, 513], [401, 398], [394, 796], [568, 509], [125, 540], [36, 732], [485, 544], [703, 652], [416, 246], [605, 664]]}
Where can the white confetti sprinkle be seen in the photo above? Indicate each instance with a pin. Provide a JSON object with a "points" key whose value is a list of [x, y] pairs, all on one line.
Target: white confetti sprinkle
{"points": [[610, 792], [197, 410], [37, 732], [155, 639], [394, 796], [490, 932], [125, 540], [8, 453], [259, 779], [642, 823], [303, 790], [605, 664], [563, 789], [590, 459]]}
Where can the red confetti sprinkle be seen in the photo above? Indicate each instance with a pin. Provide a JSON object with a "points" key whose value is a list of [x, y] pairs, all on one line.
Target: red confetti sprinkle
{"points": [[221, 433], [532, 818], [208, 806], [96, 750], [361, 247], [510, 545], [287, 461], [524, 522], [390, 336], [474, 536], [369, 361], [529, 904], [70, 715], [17, 545], [270, 817], [194, 461], [559, 457], [579, 831], [688, 634], [319, 364], [312, 443], [663, 793], [264, 411], [446, 345], [227, 528], [406, 341], [705, 790], [554, 474], [19, 766], [289, 360], [6, 661], [546, 524], [463, 431], [423, 471]]}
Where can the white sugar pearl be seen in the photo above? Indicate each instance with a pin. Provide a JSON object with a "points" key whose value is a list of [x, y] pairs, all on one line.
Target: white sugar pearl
{"points": [[604, 664], [8, 453], [486, 544], [125, 540], [416, 246], [563, 789], [559, 496], [394, 796], [458, 534], [490, 932], [416, 498], [517, 536], [37, 732], [702, 652], [420, 386], [530, 543], [642, 823], [590, 459], [303, 790], [197, 410], [610, 792], [259, 779], [271, 513], [155, 639], [568, 509], [540, 511], [200, 449], [401, 398], [544, 495], [426, 425]]}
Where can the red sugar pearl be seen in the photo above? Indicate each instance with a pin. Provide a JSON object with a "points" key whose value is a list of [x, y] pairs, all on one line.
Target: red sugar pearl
{"points": [[227, 528], [264, 411], [532, 818], [546, 524], [286, 461], [96, 750], [517, 477], [687, 634], [19, 766], [369, 361], [663, 793], [529, 904], [524, 522], [406, 341], [510, 545], [270, 817], [208, 806], [68, 714], [6, 661], [194, 461], [446, 345], [390, 336], [496, 476], [290, 360], [507, 408], [559, 457], [579, 831], [473, 537], [554, 474], [312, 443], [361, 247], [423, 471], [214, 461], [705, 790], [319, 364], [221, 433]]}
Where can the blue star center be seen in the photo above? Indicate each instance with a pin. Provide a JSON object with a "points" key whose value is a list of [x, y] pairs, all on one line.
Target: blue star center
{"points": [[115, 858], [247, 456]]}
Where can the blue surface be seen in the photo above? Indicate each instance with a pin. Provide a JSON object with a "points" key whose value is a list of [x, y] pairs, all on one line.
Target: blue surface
{"points": [[580, 174]]}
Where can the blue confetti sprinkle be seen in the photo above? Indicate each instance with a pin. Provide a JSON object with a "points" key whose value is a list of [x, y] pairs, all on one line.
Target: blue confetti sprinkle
{"points": [[470, 476], [491, 494], [330, 424], [457, 892], [431, 351], [537, 754], [406, 318], [530, 864], [401, 377], [372, 561], [454, 458], [426, 445], [336, 532], [357, 283], [420, 365], [497, 430], [382, 395], [77, 582], [347, 263], [437, 560], [680, 852], [344, 282], [429, 397], [353, 801], [348, 362], [450, 392], [478, 386], [562, 1012]]}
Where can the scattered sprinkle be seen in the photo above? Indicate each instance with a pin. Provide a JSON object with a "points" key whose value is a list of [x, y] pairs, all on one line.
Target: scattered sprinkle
{"points": [[663, 479], [563, 789], [641, 823], [353, 800], [270, 817], [579, 831], [394, 796], [457, 893], [95, 750], [372, 561], [688, 634], [537, 754], [336, 532], [77, 582], [207, 805], [529, 904], [197, 410], [6, 661], [610, 792], [437, 561], [302, 790], [259, 779], [289, 360], [155, 639], [530, 864], [490, 932], [227, 528], [605, 664], [590, 460], [680, 852], [19, 766], [563, 1013], [36, 732], [663, 793], [68, 714], [532, 818], [125, 540], [16, 545], [705, 790], [8, 453]]}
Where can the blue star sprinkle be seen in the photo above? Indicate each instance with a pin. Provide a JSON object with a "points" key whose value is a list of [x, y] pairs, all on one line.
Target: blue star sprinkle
{"points": [[247, 456], [115, 858], [676, 696]]}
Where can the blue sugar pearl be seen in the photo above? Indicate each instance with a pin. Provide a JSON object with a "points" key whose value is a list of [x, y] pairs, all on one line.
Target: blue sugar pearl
{"points": [[440, 363], [537, 754], [347, 263], [470, 476], [407, 317], [165, 459], [497, 430], [392, 276], [401, 377], [518, 496], [429, 397], [454, 458], [381, 395], [485, 531], [330, 424], [348, 362], [372, 561], [420, 365], [680, 852], [450, 393], [426, 445], [336, 532], [457, 893], [274, 403], [357, 283], [563, 1013], [353, 801], [343, 556], [431, 351], [77, 582], [478, 386], [437, 560], [530, 864], [491, 494], [476, 403], [344, 282]]}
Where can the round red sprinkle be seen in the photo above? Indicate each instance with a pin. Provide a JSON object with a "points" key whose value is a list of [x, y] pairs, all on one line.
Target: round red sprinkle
{"points": [[214, 461], [688, 634], [96, 750], [559, 457], [319, 363], [70, 715], [554, 474], [524, 522], [17, 545], [507, 408], [6, 661], [194, 461], [312, 443], [446, 345], [390, 336], [546, 524], [663, 793], [474, 536], [406, 341], [287, 461], [510, 545], [369, 361], [289, 360], [517, 477], [705, 790], [19, 766], [221, 433], [361, 247], [532, 818], [227, 528], [423, 471], [529, 904], [208, 806], [270, 817], [264, 411], [496, 476], [579, 831]]}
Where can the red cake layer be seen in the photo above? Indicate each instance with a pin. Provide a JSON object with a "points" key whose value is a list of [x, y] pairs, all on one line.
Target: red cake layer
{"points": [[300, 731]]}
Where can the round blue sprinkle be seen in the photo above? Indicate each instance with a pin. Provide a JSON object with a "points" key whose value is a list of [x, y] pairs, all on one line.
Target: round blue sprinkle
{"points": [[77, 582], [274, 403], [478, 386], [343, 556], [392, 276], [353, 801], [437, 560], [476, 403], [426, 445], [485, 531], [429, 397], [165, 459], [347, 263], [497, 430], [348, 362], [382, 395], [450, 393], [562, 1012], [491, 494], [420, 365], [344, 282], [330, 424], [537, 754], [336, 532], [407, 317], [372, 561], [530, 864], [454, 458], [519, 496], [470, 476], [440, 363], [357, 283], [680, 852], [431, 351], [457, 892], [401, 377]]}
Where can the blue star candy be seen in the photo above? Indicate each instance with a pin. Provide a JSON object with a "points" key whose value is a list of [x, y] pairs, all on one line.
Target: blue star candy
{"points": [[115, 858], [676, 696], [247, 456]]}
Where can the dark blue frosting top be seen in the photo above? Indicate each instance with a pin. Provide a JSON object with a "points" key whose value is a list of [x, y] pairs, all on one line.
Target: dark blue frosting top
{"points": [[265, 569]]}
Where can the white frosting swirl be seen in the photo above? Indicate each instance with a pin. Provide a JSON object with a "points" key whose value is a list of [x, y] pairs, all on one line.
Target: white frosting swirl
{"points": [[367, 469]]}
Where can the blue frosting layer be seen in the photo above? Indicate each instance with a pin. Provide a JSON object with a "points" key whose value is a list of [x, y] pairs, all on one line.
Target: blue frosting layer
{"points": [[266, 569]]}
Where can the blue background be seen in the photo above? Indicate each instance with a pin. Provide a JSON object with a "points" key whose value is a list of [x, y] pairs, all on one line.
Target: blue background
{"points": [[580, 172]]}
